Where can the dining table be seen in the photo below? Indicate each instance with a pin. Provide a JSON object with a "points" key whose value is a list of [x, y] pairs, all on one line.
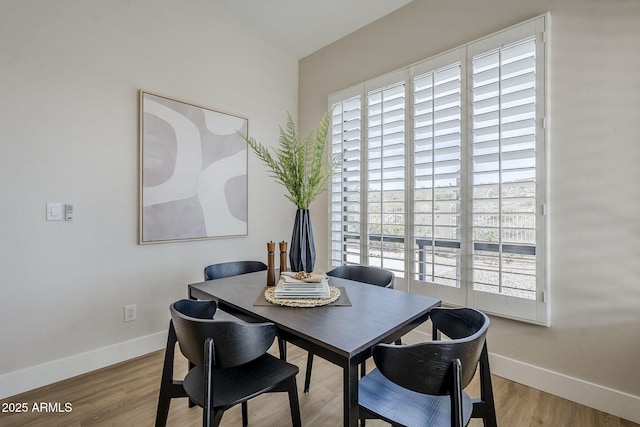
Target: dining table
{"points": [[343, 332]]}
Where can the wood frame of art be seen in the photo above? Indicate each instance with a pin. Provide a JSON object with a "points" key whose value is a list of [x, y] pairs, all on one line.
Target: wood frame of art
{"points": [[193, 172]]}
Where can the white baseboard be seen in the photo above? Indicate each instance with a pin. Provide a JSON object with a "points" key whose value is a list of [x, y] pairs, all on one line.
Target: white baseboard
{"points": [[614, 402], [604, 399], [57, 370]]}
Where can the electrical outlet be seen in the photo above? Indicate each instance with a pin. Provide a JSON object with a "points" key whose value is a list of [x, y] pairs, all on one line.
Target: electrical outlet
{"points": [[130, 313]]}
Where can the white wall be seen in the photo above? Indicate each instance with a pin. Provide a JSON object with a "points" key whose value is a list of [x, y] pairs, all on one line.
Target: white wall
{"points": [[593, 344], [70, 71]]}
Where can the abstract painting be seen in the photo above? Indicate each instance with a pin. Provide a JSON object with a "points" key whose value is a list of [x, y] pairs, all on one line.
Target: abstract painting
{"points": [[193, 172]]}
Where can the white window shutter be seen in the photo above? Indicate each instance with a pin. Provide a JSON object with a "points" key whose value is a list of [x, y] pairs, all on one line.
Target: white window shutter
{"points": [[345, 183], [437, 161], [385, 178], [444, 174], [504, 170]]}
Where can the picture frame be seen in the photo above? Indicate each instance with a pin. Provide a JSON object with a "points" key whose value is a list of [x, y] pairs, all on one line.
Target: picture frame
{"points": [[193, 172]]}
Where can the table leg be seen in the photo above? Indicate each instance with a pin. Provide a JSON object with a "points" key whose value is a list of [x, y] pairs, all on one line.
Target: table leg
{"points": [[350, 393]]}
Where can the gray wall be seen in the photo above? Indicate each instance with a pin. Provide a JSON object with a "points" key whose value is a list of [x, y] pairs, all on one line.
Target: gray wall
{"points": [[594, 166], [70, 72]]}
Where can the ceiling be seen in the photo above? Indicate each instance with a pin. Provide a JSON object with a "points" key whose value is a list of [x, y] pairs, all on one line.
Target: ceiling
{"points": [[301, 27]]}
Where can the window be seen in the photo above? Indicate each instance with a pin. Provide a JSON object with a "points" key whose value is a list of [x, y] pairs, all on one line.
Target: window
{"points": [[443, 175]]}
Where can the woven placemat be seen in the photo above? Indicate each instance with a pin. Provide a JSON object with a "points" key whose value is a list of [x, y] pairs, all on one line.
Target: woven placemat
{"points": [[341, 299]]}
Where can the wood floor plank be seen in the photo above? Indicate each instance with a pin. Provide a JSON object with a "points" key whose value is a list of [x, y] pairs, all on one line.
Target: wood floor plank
{"points": [[126, 395]]}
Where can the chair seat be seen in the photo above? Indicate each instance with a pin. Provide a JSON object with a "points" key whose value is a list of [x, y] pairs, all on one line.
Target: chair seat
{"points": [[405, 407], [239, 384]]}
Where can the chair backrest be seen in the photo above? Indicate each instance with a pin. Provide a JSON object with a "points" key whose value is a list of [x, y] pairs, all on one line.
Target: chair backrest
{"points": [[457, 323], [235, 342], [233, 268], [427, 367], [364, 273]]}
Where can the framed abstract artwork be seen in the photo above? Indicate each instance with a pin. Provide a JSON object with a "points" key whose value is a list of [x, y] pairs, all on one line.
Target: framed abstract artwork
{"points": [[193, 172]]}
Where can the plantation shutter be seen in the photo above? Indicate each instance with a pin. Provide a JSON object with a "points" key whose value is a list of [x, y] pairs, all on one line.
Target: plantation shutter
{"points": [[506, 137], [437, 157], [444, 174], [345, 183], [385, 178]]}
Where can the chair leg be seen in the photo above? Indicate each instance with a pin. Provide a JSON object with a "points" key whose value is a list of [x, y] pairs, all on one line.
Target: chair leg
{"points": [[294, 405], [245, 414], [217, 417], [168, 387], [307, 376], [485, 406], [190, 366], [208, 383]]}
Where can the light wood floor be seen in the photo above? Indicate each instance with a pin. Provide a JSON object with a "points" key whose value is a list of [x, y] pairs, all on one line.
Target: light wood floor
{"points": [[125, 395]]}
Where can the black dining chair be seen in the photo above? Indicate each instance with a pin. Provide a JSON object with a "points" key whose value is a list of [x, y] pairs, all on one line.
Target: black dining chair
{"points": [[359, 273], [171, 388], [483, 406], [366, 274], [236, 268], [422, 384], [233, 268], [230, 363]]}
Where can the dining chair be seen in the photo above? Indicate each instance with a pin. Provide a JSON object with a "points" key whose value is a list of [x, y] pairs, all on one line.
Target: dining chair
{"points": [[359, 273], [230, 363], [171, 388], [365, 274], [422, 384], [236, 268], [483, 406], [233, 268]]}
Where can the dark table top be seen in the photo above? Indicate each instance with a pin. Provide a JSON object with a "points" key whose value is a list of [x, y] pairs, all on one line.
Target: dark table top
{"points": [[376, 314]]}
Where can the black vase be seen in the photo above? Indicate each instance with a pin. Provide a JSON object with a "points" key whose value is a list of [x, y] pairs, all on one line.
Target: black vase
{"points": [[302, 254]]}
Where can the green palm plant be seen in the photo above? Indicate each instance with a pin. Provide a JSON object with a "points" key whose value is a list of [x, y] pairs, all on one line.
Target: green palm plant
{"points": [[299, 165]]}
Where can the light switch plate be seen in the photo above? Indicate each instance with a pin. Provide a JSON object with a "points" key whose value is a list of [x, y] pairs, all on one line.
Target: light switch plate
{"points": [[55, 212]]}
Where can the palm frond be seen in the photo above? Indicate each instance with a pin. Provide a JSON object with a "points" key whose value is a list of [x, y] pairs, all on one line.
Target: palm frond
{"points": [[300, 166]]}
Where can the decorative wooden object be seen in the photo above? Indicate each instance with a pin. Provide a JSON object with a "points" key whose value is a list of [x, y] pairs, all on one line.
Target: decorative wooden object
{"points": [[283, 256], [271, 270]]}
